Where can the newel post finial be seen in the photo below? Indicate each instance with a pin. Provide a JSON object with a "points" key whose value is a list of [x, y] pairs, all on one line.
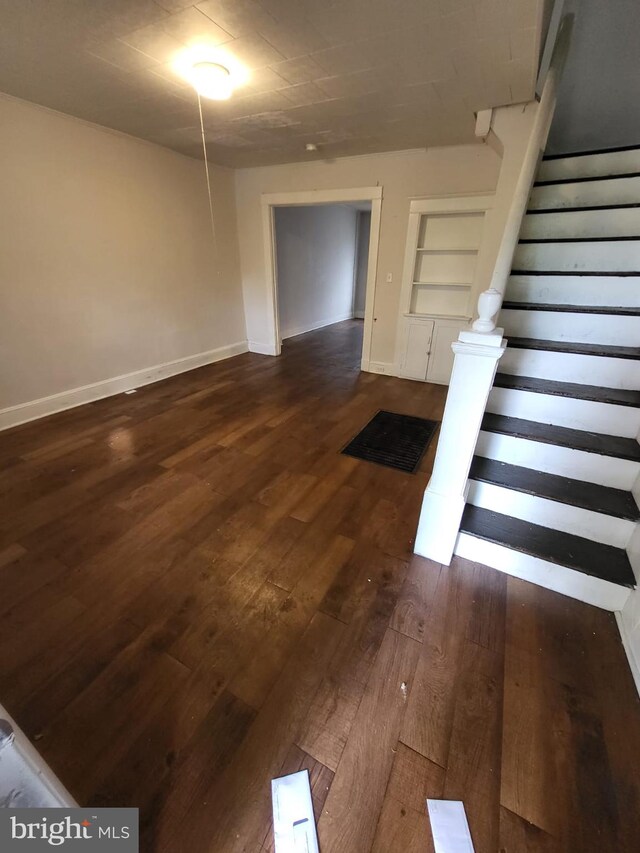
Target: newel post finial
{"points": [[489, 303]]}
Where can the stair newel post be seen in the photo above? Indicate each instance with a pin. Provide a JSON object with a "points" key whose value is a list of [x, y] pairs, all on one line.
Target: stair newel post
{"points": [[478, 350], [476, 360]]}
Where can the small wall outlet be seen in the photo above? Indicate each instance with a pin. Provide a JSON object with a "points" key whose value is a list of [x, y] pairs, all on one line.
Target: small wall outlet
{"points": [[389, 277]]}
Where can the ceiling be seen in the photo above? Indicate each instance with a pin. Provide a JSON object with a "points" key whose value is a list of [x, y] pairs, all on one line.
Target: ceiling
{"points": [[352, 76]]}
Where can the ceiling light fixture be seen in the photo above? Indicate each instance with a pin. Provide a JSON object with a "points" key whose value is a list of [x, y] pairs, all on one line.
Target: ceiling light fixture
{"points": [[310, 146], [213, 72], [212, 80]]}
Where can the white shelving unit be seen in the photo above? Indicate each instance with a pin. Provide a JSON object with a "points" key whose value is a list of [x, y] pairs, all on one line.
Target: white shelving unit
{"points": [[439, 286]]}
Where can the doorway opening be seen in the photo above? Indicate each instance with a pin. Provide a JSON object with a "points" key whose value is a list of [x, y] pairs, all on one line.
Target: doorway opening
{"points": [[321, 252]]}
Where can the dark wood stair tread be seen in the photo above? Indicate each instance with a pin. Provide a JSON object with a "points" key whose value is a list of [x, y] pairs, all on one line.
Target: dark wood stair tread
{"points": [[595, 393], [570, 154], [575, 439], [586, 179], [606, 350], [592, 273], [587, 208], [626, 310], [578, 493], [599, 239], [583, 555]]}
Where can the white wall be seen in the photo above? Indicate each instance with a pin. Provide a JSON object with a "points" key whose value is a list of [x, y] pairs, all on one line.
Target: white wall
{"points": [[629, 623], [629, 618], [436, 171], [106, 258], [315, 256], [599, 90], [362, 262]]}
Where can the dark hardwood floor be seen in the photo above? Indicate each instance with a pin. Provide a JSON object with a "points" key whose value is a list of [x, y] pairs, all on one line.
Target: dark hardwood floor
{"points": [[199, 593]]}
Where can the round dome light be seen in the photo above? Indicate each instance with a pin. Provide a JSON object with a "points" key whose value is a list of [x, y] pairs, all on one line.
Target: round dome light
{"points": [[211, 80]]}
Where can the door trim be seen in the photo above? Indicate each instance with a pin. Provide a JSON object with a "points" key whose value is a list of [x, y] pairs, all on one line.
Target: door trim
{"points": [[308, 197]]}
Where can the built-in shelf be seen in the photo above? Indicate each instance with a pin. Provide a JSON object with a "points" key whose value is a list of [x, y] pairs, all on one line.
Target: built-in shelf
{"points": [[443, 284], [439, 282], [439, 298], [438, 316], [447, 249], [435, 249]]}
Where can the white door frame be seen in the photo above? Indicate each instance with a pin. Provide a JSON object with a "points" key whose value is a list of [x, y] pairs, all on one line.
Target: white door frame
{"points": [[307, 197]]}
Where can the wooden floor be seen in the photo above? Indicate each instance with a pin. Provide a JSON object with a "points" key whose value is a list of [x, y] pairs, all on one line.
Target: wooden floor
{"points": [[198, 593]]}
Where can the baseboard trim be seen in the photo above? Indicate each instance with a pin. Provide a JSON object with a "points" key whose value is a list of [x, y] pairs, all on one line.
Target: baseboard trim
{"points": [[385, 367], [302, 330], [358, 315], [44, 406], [262, 349], [634, 663]]}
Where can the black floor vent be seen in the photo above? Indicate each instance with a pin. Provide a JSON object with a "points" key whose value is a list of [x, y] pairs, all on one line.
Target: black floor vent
{"points": [[397, 441]]}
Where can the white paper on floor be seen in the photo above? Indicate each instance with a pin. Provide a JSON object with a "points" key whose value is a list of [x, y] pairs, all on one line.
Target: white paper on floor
{"points": [[294, 827], [449, 826]]}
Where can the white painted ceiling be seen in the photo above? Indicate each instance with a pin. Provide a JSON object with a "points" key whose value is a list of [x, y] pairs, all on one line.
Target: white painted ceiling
{"points": [[352, 76]]}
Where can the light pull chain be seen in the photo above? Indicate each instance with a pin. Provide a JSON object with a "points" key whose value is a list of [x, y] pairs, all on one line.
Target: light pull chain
{"points": [[206, 168]]}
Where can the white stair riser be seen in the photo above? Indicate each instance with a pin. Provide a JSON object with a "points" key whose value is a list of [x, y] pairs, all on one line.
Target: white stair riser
{"points": [[590, 165], [575, 289], [554, 459], [614, 255], [571, 367], [552, 514], [616, 329], [565, 411], [583, 223], [586, 194], [583, 253], [608, 596]]}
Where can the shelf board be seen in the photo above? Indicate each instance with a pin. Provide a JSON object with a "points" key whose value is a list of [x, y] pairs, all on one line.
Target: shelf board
{"points": [[466, 284], [465, 249], [433, 316]]}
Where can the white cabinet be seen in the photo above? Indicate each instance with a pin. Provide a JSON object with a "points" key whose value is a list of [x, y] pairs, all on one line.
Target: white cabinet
{"points": [[417, 348], [439, 286], [441, 360]]}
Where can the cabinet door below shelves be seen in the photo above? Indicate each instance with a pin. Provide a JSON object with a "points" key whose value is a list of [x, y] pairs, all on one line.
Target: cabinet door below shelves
{"points": [[418, 345], [441, 360]]}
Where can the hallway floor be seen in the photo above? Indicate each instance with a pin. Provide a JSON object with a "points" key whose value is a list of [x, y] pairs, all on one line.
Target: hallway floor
{"points": [[199, 593]]}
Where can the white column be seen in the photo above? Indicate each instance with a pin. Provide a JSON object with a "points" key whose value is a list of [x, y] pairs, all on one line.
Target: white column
{"points": [[474, 368]]}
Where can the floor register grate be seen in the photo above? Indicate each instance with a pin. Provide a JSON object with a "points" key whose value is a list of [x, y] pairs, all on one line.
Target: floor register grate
{"points": [[397, 441]]}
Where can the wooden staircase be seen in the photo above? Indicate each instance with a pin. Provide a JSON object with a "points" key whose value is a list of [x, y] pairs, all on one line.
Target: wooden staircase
{"points": [[555, 483]]}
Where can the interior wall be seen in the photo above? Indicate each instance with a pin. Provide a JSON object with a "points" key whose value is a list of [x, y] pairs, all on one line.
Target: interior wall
{"points": [[106, 257], [629, 621], [315, 257], [402, 175], [362, 263], [599, 90], [629, 617]]}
